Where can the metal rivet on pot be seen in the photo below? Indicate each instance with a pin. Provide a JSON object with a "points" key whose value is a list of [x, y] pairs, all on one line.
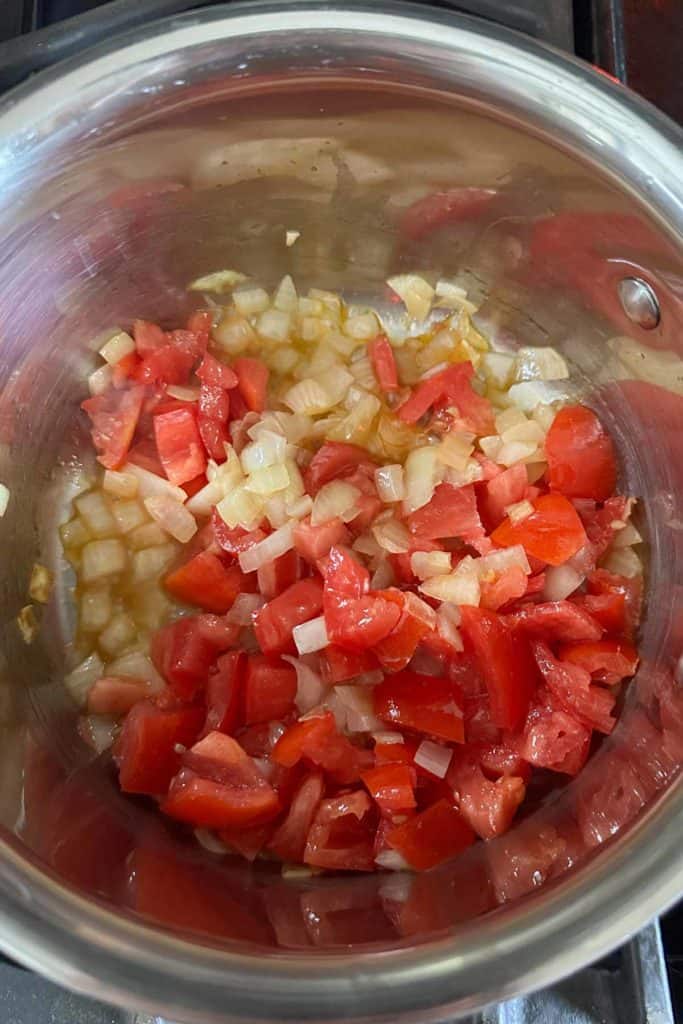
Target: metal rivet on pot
{"points": [[639, 302]]}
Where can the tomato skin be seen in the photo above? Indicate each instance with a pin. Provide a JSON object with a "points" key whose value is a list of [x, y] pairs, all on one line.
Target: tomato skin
{"points": [[417, 619], [432, 836], [179, 445], [608, 661], [487, 807], [552, 533], [391, 787], [277, 576], [116, 695], [556, 621], [570, 686], [344, 576], [273, 624], [506, 488], [214, 403], [360, 623], [333, 461], [342, 834], [269, 689], [555, 740], [183, 654], [337, 664], [114, 416], [383, 363], [505, 663], [145, 751], [580, 454], [219, 786], [314, 542], [608, 610], [252, 377], [439, 209], [207, 582], [233, 541], [426, 704], [450, 387], [225, 694], [289, 840], [213, 373], [601, 582], [452, 512], [317, 740], [215, 436], [165, 365]]}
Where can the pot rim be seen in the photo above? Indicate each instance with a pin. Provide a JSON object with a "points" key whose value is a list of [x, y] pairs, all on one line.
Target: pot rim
{"points": [[87, 947]]}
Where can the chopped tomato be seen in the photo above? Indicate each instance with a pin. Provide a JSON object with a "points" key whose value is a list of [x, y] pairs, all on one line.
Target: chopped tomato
{"points": [[341, 836], [505, 663], [452, 512], [608, 661], [504, 489], [553, 532], [488, 807], [165, 365], [248, 842], [555, 740], [213, 373], [345, 576], [148, 337], [145, 752], [224, 693], [278, 575], [236, 540], [608, 610], [252, 378], [395, 753], [383, 363], [114, 415], [274, 623], [219, 786], [499, 591], [450, 388], [556, 621], [200, 322], [334, 460], [190, 343], [192, 487], [392, 787], [179, 445], [314, 542], [214, 403], [425, 703], [126, 369], [145, 455], [269, 689], [116, 695], [432, 836], [215, 436], [207, 582], [289, 840], [438, 209], [571, 687], [360, 623], [183, 653], [337, 664], [603, 582], [220, 633], [580, 454], [417, 619], [317, 740]]}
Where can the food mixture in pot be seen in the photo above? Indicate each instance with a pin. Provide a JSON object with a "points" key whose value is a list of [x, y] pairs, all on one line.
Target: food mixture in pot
{"points": [[343, 589]]}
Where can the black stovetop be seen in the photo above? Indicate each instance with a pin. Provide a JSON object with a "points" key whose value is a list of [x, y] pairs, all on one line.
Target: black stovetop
{"points": [[637, 41]]}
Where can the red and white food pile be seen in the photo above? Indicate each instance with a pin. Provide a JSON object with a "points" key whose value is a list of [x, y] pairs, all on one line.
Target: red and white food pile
{"points": [[340, 595]]}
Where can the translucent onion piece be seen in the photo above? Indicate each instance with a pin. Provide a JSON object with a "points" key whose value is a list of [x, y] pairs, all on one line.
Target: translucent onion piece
{"points": [[4, 499], [434, 758], [240, 508], [497, 562], [383, 576], [623, 562], [40, 584], [300, 507], [268, 481], [426, 564], [455, 450], [334, 500], [233, 333], [210, 841], [311, 636], [392, 536], [360, 714], [362, 326], [291, 237], [392, 860], [102, 559], [74, 534], [137, 664], [511, 452], [520, 511], [308, 397], [274, 325], [119, 634], [100, 380], [309, 685], [201, 503], [276, 511], [250, 301], [120, 485], [388, 737], [245, 607], [267, 550], [79, 681], [447, 622], [456, 588], [416, 293], [150, 563], [286, 298], [422, 473], [561, 581], [626, 537], [150, 485], [183, 394], [336, 381], [94, 509], [390, 483], [100, 731], [269, 450], [149, 535], [219, 281], [540, 364], [118, 346], [173, 517], [94, 609], [128, 515]]}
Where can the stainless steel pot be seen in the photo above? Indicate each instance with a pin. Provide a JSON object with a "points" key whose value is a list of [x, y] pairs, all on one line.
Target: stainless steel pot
{"points": [[331, 121]]}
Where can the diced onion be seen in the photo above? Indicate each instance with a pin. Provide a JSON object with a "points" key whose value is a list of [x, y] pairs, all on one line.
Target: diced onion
{"points": [[519, 511], [434, 758], [267, 481], [361, 327], [150, 485], [390, 483], [511, 452], [40, 584], [128, 515], [498, 562], [149, 535], [626, 537], [245, 607], [268, 549], [309, 397], [4, 499], [426, 564], [74, 534], [100, 731], [291, 237], [383, 576], [119, 633], [96, 513], [121, 485], [336, 381], [138, 665], [388, 737], [392, 860], [100, 380], [102, 559], [240, 508], [219, 281], [276, 512], [560, 582], [309, 685], [623, 562], [447, 622], [269, 450], [172, 517], [210, 841], [311, 636], [363, 373], [459, 587], [202, 503], [300, 507], [334, 500], [417, 294], [274, 325], [358, 703], [150, 563], [286, 298], [455, 450], [540, 364], [250, 301], [80, 680], [233, 333], [392, 536], [117, 347], [422, 473], [182, 394], [94, 609], [498, 368]]}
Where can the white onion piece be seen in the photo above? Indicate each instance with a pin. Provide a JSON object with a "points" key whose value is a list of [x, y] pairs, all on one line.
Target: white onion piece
{"points": [[300, 507], [455, 450], [430, 563], [519, 511], [291, 237], [269, 449], [286, 297], [309, 686], [417, 294], [334, 500], [388, 737], [543, 363], [250, 301], [137, 664], [80, 680], [434, 758], [498, 368], [361, 326], [101, 731], [511, 452], [94, 609], [383, 576], [311, 636], [390, 483], [336, 381], [560, 582], [96, 514], [128, 515], [210, 841], [183, 394], [233, 333], [118, 634], [276, 511], [267, 481], [121, 485], [392, 536], [4, 499], [360, 714], [101, 559], [623, 562], [150, 563], [219, 281], [240, 508], [118, 346], [334, 704], [100, 380], [244, 608], [173, 517], [452, 296], [202, 503], [392, 860], [267, 550], [626, 537], [422, 473], [459, 587], [308, 397], [274, 325], [150, 485], [498, 561], [447, 622]]}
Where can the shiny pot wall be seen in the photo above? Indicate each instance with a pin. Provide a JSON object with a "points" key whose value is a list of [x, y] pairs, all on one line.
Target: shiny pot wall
{"points": [[194, 145]]}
